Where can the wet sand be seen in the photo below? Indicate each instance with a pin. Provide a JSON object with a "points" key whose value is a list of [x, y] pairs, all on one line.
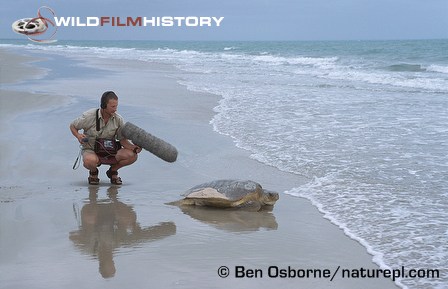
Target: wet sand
{"points": [[58, 232]]}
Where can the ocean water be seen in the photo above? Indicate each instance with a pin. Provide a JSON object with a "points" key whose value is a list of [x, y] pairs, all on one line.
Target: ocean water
{"points": [[365, 122]]}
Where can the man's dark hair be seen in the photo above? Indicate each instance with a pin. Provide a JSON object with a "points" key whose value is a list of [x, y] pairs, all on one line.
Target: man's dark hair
{"points": [[108, 95]]}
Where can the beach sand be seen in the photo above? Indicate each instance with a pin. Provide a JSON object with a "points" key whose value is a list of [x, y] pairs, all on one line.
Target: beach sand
{"points": [[58, 232]]}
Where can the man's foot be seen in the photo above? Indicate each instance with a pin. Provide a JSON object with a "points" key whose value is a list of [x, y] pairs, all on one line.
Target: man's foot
{"points": [[113, 176], [93, 178]]}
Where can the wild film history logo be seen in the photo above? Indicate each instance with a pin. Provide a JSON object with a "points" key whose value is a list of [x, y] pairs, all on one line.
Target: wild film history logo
{"points": [[40, 25]]}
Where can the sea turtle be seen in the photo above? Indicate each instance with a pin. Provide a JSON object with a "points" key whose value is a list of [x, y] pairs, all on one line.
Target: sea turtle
{"points": [[229, 194]]}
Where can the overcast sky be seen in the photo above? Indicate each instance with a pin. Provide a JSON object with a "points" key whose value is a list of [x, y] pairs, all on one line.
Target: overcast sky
{"points": [[248, 19]]}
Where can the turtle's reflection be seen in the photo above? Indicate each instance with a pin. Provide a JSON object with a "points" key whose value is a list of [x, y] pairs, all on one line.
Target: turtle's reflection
{"points": [[233, 220], [109, 224]]}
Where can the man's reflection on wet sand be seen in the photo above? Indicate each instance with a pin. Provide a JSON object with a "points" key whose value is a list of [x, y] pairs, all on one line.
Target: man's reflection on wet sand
{"points": [[110, 224]]}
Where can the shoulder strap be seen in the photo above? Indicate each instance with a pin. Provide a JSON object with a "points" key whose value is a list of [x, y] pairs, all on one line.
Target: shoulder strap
{"points": [[97, 120]]}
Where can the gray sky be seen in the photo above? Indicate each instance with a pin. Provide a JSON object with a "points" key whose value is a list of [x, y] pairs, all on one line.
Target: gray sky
{"points": [[248, 19]]}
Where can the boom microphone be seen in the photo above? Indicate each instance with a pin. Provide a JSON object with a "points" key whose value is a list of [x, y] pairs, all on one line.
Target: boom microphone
{"points": [[153, 144]]}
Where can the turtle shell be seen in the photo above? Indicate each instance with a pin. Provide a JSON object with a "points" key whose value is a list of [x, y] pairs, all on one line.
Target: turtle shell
{"points": [[225, 193]]}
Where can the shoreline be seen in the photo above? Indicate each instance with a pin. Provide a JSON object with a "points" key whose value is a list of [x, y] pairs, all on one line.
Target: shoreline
{"points": [[302, 236]]}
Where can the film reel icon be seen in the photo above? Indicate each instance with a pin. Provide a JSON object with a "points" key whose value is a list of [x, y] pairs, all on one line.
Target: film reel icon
{"points": [[29, 26], [32, 27]]}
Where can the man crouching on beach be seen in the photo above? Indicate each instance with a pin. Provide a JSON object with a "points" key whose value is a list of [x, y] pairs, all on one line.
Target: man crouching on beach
{"points": [[101, 130]]}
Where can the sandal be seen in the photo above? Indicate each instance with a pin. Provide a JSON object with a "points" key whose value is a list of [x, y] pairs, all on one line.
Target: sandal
{"points": [[93, 178], [117, 180]]}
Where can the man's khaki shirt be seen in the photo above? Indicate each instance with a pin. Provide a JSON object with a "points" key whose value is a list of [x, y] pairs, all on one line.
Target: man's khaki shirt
{"points": [[87, 122]]}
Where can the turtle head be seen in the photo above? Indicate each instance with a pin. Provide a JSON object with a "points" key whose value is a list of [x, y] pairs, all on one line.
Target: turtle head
{"points": [[269, 197]]}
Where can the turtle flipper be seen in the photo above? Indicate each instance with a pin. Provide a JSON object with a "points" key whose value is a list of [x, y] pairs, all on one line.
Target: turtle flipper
{"points": [[253, 206]]}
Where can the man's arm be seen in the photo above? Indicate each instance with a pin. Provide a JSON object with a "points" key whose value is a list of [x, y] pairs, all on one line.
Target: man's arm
{"points": [[75, 132], [130, 146]]}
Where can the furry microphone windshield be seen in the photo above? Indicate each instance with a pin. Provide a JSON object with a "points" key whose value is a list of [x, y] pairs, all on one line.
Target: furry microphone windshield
{"points": [[153, 144]]}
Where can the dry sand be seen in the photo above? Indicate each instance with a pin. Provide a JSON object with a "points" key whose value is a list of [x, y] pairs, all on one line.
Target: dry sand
{"points": [[58, 232]]}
